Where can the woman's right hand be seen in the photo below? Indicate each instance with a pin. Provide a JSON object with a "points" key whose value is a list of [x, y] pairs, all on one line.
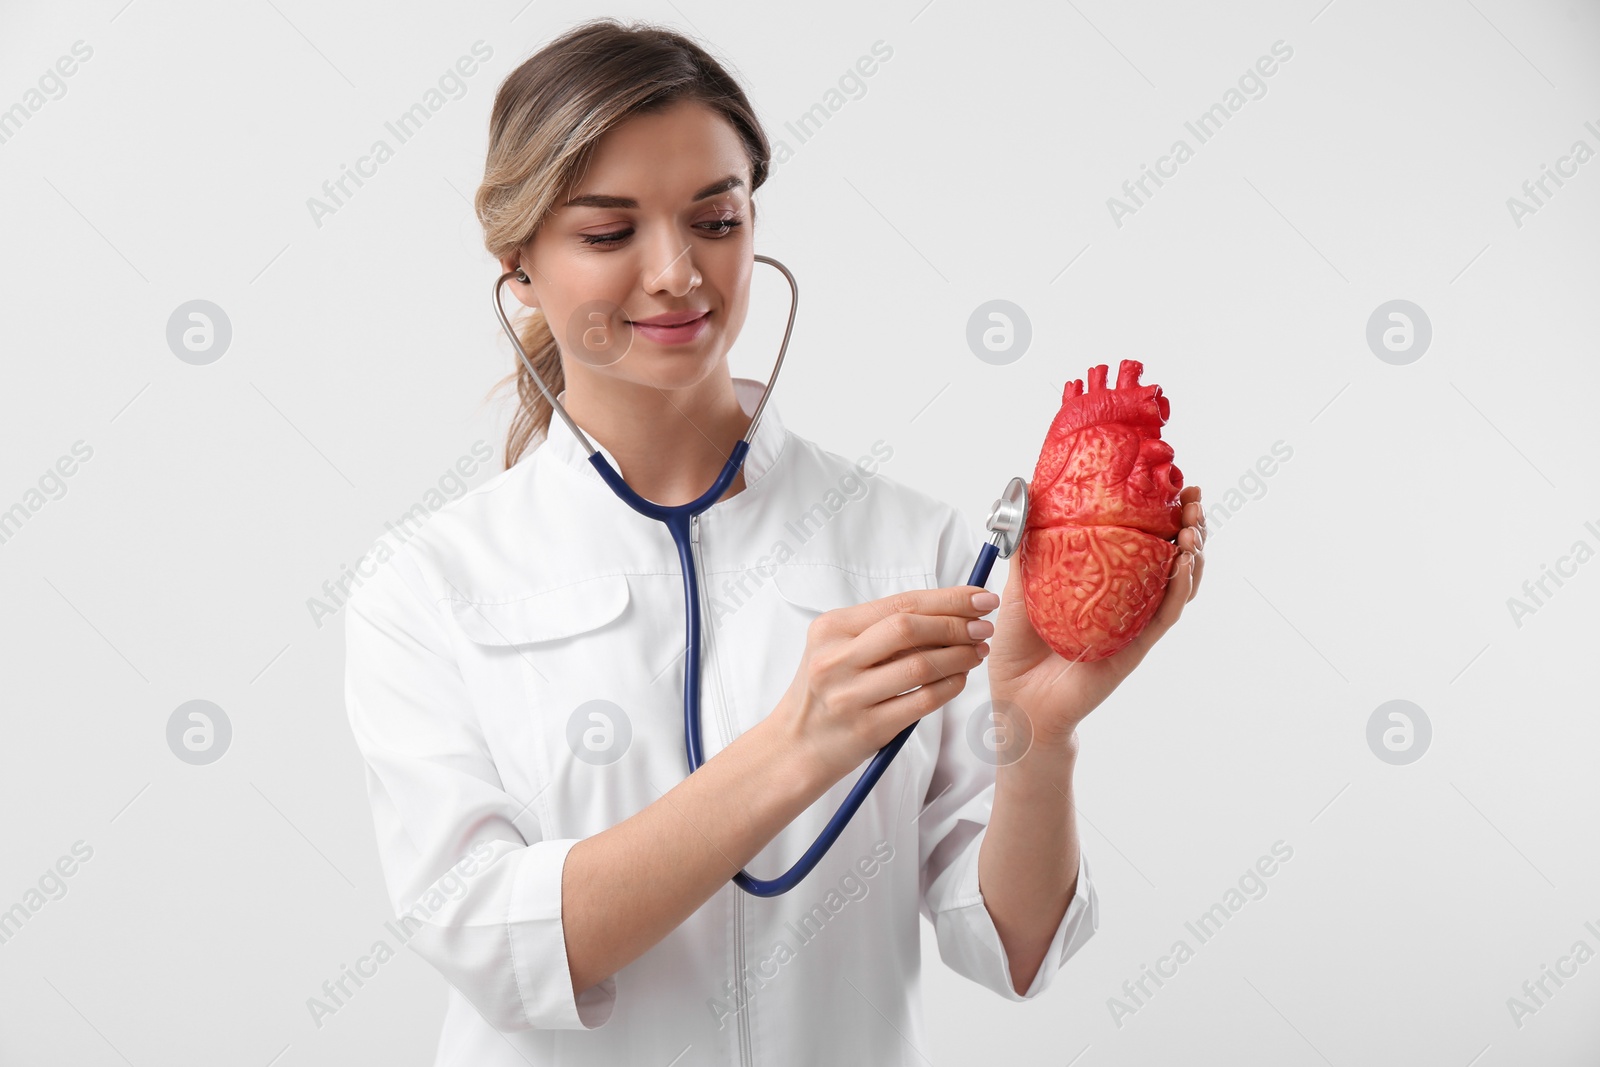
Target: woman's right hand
{"points": [[849, 697]]}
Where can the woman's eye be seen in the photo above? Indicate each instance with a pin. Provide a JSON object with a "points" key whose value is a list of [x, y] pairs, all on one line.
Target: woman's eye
{"points": [[716, 228]]}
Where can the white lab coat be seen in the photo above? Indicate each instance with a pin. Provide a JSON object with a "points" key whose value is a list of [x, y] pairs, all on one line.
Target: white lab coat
{"points": [[472, 657]]}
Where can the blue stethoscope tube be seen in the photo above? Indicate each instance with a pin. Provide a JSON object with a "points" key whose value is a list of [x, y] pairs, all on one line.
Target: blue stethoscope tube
{"points": [[677, 520]]}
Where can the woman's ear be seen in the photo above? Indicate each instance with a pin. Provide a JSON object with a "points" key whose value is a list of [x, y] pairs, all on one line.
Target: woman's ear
{"points": [[521, 281]]}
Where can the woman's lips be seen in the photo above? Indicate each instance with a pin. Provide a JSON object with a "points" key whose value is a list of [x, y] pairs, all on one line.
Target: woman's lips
{"points": [[673, 335]]}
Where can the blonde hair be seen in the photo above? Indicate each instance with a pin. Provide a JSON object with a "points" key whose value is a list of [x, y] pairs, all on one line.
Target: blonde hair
{"points": [[548, 117]]}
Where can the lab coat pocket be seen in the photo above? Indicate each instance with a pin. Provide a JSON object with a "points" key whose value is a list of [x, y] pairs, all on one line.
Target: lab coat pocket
{"points": [[565, 670], [819, 587], [544, 617]]}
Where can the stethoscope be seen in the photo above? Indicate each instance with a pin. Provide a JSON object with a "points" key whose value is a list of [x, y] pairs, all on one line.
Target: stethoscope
{"points": [[1005, 525]]}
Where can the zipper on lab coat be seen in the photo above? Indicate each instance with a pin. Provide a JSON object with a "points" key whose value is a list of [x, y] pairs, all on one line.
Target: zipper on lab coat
{"points": [[725, 725]]}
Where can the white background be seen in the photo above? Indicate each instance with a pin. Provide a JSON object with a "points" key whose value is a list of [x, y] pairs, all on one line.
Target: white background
{"points": [[1374, 564]]}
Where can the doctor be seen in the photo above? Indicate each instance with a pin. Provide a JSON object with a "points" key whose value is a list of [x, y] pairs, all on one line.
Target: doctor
{"points": [[514, 671]]}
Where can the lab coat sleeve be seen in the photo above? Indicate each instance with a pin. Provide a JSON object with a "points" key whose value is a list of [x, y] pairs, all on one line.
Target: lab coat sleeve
{"points": [[955, 820], [475, 887]]}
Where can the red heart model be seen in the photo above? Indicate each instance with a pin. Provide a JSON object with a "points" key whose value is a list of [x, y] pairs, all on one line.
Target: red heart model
{"points": [[1103, 513]]}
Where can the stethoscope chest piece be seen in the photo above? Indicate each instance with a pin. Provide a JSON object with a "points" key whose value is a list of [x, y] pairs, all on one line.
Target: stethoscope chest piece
{"points": [[1008, 518]]}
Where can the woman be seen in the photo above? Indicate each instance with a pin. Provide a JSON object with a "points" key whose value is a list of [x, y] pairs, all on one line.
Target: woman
{"points": [[515, 670]]}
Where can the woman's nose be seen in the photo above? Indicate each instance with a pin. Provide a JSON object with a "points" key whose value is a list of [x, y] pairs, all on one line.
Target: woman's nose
{"points": [[670, 266]]}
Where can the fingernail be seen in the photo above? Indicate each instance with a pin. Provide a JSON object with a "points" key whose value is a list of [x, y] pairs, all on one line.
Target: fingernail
{"points": [[979, 628], [985, 601], [983, 649]]}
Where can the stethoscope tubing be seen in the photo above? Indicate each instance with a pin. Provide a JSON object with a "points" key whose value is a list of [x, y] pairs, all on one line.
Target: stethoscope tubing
{"points": [[677, 519]]}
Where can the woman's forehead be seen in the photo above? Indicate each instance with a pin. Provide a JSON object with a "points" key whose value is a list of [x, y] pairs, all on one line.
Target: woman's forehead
{"points": [[675, 154]]}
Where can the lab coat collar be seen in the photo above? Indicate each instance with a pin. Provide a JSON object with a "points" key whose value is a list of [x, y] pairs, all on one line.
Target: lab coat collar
{"points": [[561, 446]]}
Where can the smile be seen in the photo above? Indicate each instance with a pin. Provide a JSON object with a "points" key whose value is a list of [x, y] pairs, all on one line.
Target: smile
{"points": [[673, 335]]}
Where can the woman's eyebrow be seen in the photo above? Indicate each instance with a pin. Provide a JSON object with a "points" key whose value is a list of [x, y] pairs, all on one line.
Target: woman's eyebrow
{"points": [[732, 181]]}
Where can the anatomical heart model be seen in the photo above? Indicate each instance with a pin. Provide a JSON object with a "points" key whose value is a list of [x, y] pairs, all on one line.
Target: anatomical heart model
{"points": [[1102, 512]]}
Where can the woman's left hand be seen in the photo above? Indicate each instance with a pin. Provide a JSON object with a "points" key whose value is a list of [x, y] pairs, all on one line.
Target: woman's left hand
{"points": [[1057, 694]]}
